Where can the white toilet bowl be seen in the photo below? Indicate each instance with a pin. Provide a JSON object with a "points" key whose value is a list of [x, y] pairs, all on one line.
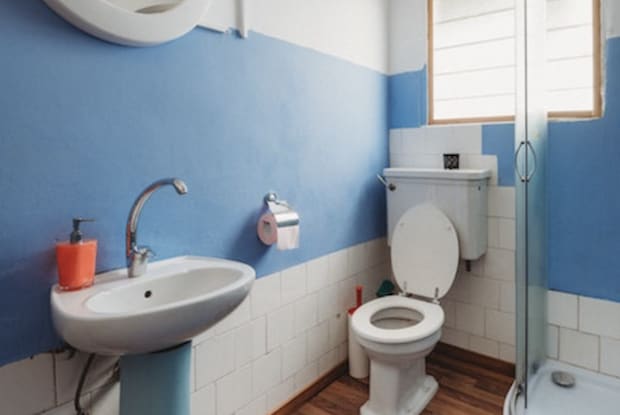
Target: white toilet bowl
{"points": [[398, 332]]}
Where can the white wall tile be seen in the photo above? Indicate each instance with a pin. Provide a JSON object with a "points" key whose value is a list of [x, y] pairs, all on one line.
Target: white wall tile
{"points": [[562, 309], [233, 391], [204, 336], [377, 251], [610, 356], [318, 274], [466, 139], [280, 326], [507, 297], [395, 145], [439, 139], [461, 288], [106, 400], [328, 302], [306, 376], [455, 337], [257, 407], [338, 330], [346, 293], [328, 361], [293, 283], [413, 141], [281, 393], [399, 160], [507, 233], [27, 386], [484, 292], [306, 313], [502, 201], [499, 264], [426, 161], [343, 351], [493, 232], [500, 326], [579, 349], [507, 352], [480, 161], [265, 295], [266, 372], [68, 371], [484, 346], [293, 356], [214, 359], [318, 341], [470, 318], [599, 317], [357, 257], [250, 341], [203, 401], [553, 341], [240, 315], [338, 264], [449, 310], [68, 408]]}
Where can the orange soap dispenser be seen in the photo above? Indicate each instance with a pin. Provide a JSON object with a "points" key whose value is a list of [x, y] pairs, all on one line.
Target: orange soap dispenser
{"points": [[76, 259]]}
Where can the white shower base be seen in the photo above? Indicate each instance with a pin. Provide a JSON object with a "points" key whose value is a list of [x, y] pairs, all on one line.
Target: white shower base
{"points": [[593, 393]]}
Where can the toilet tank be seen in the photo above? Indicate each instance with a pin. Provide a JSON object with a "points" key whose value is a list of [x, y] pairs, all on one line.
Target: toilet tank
{"points": [[462, 195]]}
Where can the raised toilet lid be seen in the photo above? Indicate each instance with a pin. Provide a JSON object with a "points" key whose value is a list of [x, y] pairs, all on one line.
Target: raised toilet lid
{"points": [[425, 252]]}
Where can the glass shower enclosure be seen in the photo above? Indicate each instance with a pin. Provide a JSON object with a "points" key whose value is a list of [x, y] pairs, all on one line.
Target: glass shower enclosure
{"points": [[531, 208]]}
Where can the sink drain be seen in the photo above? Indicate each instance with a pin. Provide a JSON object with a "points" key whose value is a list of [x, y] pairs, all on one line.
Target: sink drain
{"points": [[563, 379]]}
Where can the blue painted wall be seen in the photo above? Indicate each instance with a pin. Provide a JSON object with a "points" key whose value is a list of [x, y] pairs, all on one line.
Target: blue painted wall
{"points": [[407, 99], [583, 191], [86, 125]]}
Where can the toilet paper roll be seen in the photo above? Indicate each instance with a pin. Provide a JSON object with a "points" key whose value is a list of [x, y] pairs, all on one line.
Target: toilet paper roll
{"points": [[282, 228], [267, 229], [288, 237]]}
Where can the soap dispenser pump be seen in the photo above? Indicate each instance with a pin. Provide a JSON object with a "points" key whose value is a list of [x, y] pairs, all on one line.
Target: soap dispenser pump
{"points": [[76, 259]]}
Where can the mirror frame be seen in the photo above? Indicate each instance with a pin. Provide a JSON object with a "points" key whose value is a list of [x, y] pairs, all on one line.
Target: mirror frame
{"points": [[117, 25]]}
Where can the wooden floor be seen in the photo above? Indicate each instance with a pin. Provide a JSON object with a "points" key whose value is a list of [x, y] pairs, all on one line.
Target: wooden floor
{"points": [[469, 384]]}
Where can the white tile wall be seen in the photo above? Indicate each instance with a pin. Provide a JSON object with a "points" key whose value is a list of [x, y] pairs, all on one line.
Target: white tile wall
{"points": [[290, 330], [584, 331], [27, 387], [480, 306], [579, 349], [562, 309], [599, 317]]}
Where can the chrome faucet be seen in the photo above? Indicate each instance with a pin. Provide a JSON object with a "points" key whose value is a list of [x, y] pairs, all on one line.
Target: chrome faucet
{"points": [[138, 257]]}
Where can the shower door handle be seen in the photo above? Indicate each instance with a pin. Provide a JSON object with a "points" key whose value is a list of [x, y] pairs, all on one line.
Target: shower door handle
{"points": [[521, 177], [534, 161], [528, 175]]}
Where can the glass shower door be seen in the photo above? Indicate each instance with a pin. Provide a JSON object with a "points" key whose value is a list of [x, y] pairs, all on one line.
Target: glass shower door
{"points": [[531, 211]]}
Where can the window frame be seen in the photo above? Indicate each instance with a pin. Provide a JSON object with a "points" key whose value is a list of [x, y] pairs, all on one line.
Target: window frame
{"points": [[553, 115]]}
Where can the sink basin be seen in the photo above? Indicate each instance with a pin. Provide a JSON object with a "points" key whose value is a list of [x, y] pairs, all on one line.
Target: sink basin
{"points": [[174, 301]]}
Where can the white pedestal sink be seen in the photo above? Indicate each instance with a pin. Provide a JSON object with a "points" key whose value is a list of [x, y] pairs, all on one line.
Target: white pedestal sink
{"points": [[145, 318], [174, 301]]}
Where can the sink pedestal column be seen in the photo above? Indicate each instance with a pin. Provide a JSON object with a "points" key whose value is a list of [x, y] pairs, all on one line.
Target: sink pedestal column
{"points": [[157, 383]]}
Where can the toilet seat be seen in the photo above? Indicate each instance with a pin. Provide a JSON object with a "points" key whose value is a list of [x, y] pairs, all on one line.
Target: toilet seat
{"points": [[432, 320], [425, 252]]}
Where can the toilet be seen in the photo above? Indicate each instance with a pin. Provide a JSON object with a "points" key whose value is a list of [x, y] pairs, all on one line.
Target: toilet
{"points": [[435, 217]]}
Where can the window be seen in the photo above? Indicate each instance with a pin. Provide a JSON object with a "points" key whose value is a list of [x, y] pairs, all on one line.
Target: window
{"points": [[472, 60]]}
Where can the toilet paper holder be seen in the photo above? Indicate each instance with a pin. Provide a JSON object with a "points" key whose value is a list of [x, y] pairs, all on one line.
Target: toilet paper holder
{"points": [[279, 215]]}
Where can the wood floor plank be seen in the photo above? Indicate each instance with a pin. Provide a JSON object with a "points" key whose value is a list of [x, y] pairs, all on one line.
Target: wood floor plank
{"points": [[469, 384]]}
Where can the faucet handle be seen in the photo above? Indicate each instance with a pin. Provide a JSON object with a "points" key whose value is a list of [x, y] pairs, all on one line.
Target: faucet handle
{"points": [[144, 252]]}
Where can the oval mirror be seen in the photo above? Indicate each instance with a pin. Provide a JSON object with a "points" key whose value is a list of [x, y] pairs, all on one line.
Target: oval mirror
{"points": [[132, 22]]}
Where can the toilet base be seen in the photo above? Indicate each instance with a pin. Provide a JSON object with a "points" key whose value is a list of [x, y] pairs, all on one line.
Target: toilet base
{"points": [[398, 390]]}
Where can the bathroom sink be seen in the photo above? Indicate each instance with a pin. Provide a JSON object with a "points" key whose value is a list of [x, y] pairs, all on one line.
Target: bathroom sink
{"points": [[175, 300]]}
